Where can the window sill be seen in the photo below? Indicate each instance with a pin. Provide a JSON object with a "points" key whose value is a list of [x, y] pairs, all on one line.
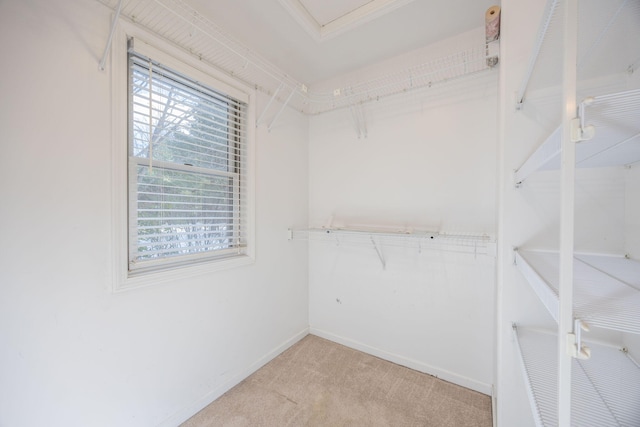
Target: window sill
{"points": [[129, 281]]}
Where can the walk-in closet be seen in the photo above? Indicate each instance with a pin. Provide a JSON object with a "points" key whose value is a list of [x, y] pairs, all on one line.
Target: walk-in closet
{"points": [[320, 213]]}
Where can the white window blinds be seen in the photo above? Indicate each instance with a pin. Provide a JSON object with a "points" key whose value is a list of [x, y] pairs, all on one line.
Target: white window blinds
{"points": [[187, 169]]}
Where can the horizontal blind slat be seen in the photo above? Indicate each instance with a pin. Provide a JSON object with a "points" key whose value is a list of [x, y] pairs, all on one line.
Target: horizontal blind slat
{"points": [[142, 63], [180, 107]]}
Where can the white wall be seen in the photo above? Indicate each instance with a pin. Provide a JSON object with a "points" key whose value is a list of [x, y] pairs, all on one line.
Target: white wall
{"points": [[428, 162], [71, 352]]}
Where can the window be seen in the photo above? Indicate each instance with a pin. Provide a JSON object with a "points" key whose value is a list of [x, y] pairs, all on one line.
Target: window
{"points": [[187, 169]]}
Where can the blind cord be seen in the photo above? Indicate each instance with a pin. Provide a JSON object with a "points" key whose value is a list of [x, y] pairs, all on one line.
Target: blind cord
{"points": [[150, 118]]}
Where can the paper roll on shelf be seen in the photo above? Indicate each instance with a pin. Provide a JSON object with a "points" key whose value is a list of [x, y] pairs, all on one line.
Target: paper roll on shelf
{"points": [[492, 23], [492, 34]]}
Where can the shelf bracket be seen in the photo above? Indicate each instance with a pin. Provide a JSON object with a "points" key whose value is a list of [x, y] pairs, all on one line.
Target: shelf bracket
{"points": [[266, 108], [359, 120], [580, 131], [116, 15], [575, 348], [519, 104], [357, 113], [549, 13], [379, 252], [284, 105]]}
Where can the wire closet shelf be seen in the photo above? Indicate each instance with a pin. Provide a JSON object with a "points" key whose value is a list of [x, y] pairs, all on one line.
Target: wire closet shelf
{"points": [[613, 120], [605, 388], [185, 27], [603, 45], [606, 288], [468, 243]]}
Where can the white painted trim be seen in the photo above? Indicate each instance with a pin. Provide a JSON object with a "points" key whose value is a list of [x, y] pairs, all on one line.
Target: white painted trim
{"points": [[494, 406], [173, 53], [121, 279], [190, 410], [119, 155], [443, 374], [348, 21]]}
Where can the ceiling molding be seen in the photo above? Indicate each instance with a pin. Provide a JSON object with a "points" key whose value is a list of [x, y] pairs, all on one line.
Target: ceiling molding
{"points": [[365, 13]]}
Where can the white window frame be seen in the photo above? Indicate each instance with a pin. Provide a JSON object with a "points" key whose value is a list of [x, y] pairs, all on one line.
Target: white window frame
{"points": [[178, 60]]}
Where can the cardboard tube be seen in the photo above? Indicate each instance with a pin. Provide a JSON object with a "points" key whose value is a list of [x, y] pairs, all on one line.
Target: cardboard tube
{"points": [[492, 23]]}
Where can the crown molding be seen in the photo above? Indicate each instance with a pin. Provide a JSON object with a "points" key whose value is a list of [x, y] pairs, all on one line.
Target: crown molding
{"points": [[344, 23]]}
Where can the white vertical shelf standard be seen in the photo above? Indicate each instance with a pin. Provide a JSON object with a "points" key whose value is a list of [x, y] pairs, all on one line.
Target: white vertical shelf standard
{"points": [[567, 210]]}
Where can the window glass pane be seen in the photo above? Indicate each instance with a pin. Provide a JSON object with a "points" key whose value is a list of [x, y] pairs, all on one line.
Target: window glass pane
{"points": [[183, 124], [186, 179], [183, 213]]}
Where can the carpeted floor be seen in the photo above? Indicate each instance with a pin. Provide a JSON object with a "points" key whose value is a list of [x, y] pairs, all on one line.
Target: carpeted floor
{"points": [[320, 383]]}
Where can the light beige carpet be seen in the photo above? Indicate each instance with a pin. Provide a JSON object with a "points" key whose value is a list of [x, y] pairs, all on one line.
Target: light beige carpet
{"points": [[320, 383]]}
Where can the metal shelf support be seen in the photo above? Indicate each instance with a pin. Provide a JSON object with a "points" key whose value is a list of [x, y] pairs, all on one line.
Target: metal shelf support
{"points": [[542, 32], [114, 22], [284, 105], [266, 108], [567, 210]]}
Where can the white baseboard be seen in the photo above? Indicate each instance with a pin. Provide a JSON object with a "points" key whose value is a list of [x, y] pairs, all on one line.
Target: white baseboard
{"points": [[409, 363], [190, 410], [494, 406]]}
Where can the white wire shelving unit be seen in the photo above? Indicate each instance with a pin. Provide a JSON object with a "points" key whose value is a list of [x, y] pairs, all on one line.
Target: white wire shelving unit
{"points": [[183, 26], [606, 287], [614, 120], [475, 244], [435, 72], [603, 50], [580, 79], [605, 388]]}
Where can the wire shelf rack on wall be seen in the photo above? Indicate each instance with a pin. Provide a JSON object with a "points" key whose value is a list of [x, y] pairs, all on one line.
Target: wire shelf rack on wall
{"points": [[605, 389], [183, 26], [476, 244], [437, 71], [603, 44], [606, 287], [615, 139]]}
